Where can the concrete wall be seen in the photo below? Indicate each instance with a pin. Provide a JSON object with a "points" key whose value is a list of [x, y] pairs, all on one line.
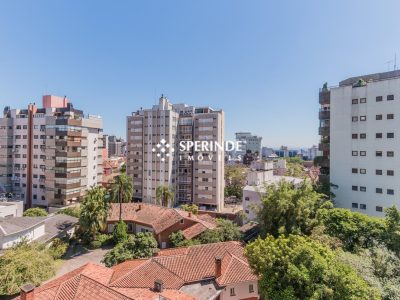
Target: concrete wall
{"points": [[29, 234]]}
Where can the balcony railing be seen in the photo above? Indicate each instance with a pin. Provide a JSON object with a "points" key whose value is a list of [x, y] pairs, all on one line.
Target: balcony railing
{"points": [[324, 97], [324, 131], [324, 114]]}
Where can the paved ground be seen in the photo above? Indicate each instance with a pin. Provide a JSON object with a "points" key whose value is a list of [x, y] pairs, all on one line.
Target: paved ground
{"points": [[79, 256]]}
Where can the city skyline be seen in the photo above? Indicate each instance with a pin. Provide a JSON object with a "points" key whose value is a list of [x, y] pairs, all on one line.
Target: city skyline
{"points": [[261, 63]]}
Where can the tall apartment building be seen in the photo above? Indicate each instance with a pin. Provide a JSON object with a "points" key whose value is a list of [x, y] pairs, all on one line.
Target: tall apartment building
{"points": [[250, 142], [154, 157], [364, 153], [49, 156], [324, 132], [116, 146]]}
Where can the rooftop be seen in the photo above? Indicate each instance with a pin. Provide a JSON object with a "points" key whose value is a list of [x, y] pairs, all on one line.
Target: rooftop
{"points": [[9, 226], [371, 77]]}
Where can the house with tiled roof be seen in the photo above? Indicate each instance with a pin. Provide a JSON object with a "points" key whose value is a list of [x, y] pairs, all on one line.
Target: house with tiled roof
{"points": [[161, 221], [212, 271]]}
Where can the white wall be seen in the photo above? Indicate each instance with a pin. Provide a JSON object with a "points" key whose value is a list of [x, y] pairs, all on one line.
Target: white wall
{"points": [[11, 209], [29, 234], [342, 145], [241, 291], [251, 199]]}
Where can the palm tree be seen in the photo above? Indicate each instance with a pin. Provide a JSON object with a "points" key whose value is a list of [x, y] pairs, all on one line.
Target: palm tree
{"points": [[121, 191], [164, 195], [94, 209]]}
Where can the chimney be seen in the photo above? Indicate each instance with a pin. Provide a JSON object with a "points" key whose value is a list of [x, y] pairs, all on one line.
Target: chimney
{"points": [[158, 286], [140, 207], [190, 214], [27, 292], [218, 267]]}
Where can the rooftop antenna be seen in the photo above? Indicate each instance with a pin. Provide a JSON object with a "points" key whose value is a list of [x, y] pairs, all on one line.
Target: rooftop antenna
{"points": [[395, 62], [389, 62]]}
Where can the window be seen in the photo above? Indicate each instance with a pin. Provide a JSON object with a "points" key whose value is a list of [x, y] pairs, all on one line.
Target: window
{"points": [[363, 206], [390, 153], [378, 135], [354, 118], [354, 205], [247, 198], [379, 208], [390, 135], [363, 171], [232, 292], [379, 98], [363, 100], [363, 153], [354, 101], [378, 172], [354, 136], [354, 188], [251, 288], [378, 153], [354, 153], [182, 221], [378, 117], [378, 190], [390, 116], [363, 135], [363, 118], [390, 192], [390, 173], [390, 97], [363, 188], [354, 170]]}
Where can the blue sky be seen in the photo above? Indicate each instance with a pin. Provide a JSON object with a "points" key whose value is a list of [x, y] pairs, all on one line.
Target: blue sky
{"points": [[262, 62]]}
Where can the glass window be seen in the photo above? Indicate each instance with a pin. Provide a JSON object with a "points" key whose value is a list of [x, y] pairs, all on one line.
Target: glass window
{"points": [[379, 98], [390, 97]]}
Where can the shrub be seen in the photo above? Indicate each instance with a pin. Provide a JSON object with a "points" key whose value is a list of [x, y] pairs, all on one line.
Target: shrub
{"points": [[35, 212], [95, 244], [58, 248], [70, 211], [120, 232], [105, 239]]}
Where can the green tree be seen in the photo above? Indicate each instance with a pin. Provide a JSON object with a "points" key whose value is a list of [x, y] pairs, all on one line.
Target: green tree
{"points": [[178, 240], [94, 210], [288, 209], [226, 231], [120, 232], [24, 263], [355, 230], [70, 211], [35, 212], [121, 191], [164, 195], [141, 245], [296, 267], [235, 180], [392, 233], [193, 208], [123, 168], [58, 248]]}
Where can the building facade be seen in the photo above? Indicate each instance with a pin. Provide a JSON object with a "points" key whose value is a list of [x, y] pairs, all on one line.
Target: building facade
{"points": [[364, 153], [116, 146], [251, 143], [49, 156], [154, 155]]}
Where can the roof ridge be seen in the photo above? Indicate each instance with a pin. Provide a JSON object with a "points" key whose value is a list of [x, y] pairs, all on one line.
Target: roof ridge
{"points": [[60, 287], [147, 260], [106, 286], [170, 271]]}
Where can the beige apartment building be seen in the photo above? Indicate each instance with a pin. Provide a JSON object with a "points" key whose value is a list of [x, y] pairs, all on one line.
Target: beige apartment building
{"points": [[154, 155], [49, 156]]}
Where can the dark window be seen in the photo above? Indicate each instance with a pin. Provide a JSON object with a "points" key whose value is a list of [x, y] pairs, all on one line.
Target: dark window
{"points": [[354, 136], [363, 118], [354, 205], [390, 97], [390, 116], [390, 153], [363, 100], [390, 135], [354, 118], [378, 172], [251, 288], [390, 192], [378, 117], [378, 190], [378, 135], [363, 206], [390, 173], [379, 208], [354, 101], [378, 153], [363, 188], [354, 188], [363, 153], [363, 171], [354, 153], [363, 135], [379, 98], [354, 170]]}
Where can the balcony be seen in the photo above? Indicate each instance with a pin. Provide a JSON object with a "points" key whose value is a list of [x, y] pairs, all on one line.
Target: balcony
{"points": [[68, 154], [324, 114], [324, 147], [325, 131], [324, 96]]}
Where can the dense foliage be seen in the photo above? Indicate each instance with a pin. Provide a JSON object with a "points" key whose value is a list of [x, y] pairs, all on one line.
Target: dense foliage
{"points": [[35, 212], [58, 248], [120, 232], [193, 208], [178, 240], [24, 263], [286, 209], [164, 195], [235, 180], [70, 211], [141, 245], [296, 267]]}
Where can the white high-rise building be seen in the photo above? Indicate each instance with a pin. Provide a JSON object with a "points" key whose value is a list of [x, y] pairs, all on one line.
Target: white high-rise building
{"points": [[364, 152]]}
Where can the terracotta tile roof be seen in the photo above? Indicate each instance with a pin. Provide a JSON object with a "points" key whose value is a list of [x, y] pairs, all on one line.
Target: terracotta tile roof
{"points": [[194, 230], [135, 279], [158, 217]]}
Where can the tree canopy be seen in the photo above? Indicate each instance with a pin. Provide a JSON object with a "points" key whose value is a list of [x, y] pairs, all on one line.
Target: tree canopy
{"points": [[164, 195], [35, 212], [235, 180]]}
